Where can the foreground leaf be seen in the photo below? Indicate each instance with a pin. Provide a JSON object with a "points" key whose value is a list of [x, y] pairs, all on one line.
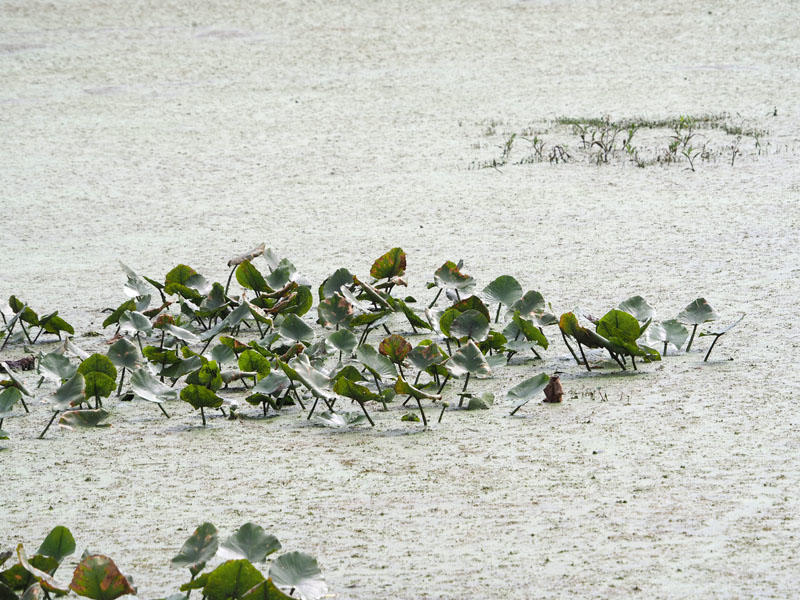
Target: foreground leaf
{"points": [[58, 544], [301, 572], [98, 578], [232, 580], [198, 549], [250, 542], [84, 418]]}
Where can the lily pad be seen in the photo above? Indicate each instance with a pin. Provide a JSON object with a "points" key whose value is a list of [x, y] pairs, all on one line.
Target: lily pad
{"points": [[252, 361], [697, 313], [482, 402], [58, 544], [504, 290], [250, 542], [56, 367], [200, 396], [84, 418], [380, 366], [470, 323], [449, 276], [147, 387], [638, 307], [339, 420], [395, 348], [134, 322], [468, 360], [98, 578], [530, 305], [266, 590], [343, 340], [334, 310], [71, 393], [333, 284], [8, 398], [124, 353], [198, 549], [524, 392], [391, 264], [294, 328], [251, 278], [301, 572]]}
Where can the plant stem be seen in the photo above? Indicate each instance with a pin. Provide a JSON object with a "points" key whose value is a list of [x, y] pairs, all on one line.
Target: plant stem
{"points": [[497, 316], [441, 387], [585, 362], [313, 407], [691, 339], [441, 414], [712, 347], [203, 414], [230, 276], [121, 379], [422, 412], [162, 410], [439, 293], [364, 408]]}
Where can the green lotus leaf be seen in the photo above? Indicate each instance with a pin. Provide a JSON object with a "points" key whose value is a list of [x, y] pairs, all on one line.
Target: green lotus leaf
{"points": [[402, 387], [300, 303], [56, 367], [124, 353], [195, 584], [298, 571], [446, 320], [482, 402], [71, 393], [198, 549], [252, 361], [15, 380], [147, 387], [676, 332], [524, 392], [697, 313], [531, 304], [25, 313], [334, 283], [17, 578], [98, 578], [214, 301], [395, 348], [361, 305], [449, 276], [231, 580], [504, 290], [182, 334], [84, 418], [200, 396], [350, 389], [339, 419], [41, 567], [279, 277], [8, 398], [530, 331], [343, 340], [377, 364], [182, 367], [266, 590], [638, 307], [180, 275], [494, 341], [135, 285], [414, 417], [250, 542], [223, 354], [98, 385], [472, 303], [98, 363], [568, 323], [472, 324], [250, 277], [295, 329], [160, 356], [348, 372], [58, 544], [134, 322], [317, 382], [52, 323], [207, 375], [273, 384], [391, 264], [425, 355], [468, 359], [373, 319], [718, 331], [413, 318], [371, 293], [618, 326], [334, 310]]}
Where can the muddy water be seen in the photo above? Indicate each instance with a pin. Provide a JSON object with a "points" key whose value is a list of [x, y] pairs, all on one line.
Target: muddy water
{"points": [[156, 134]]}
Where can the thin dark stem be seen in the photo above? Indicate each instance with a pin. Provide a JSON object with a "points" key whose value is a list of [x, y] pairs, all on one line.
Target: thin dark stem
{"points": [[121, 379], [377, 383], [441, 414], [571, 351], [386, 329], [712, 347], [203, 414], [230, 276], [497, 316], [539, 356], [619, 362], [313, 408], [691, 339], [633, 361], [422, 412], [665, 349], [585, 362], [50, 422], [439, 293], [25, 406], [364, 408], [444, 382]]}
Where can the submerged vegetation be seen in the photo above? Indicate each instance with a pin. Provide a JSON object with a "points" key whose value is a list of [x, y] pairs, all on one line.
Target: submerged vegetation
{"points": [[686, 140], [97, 577], [188, 339]]}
